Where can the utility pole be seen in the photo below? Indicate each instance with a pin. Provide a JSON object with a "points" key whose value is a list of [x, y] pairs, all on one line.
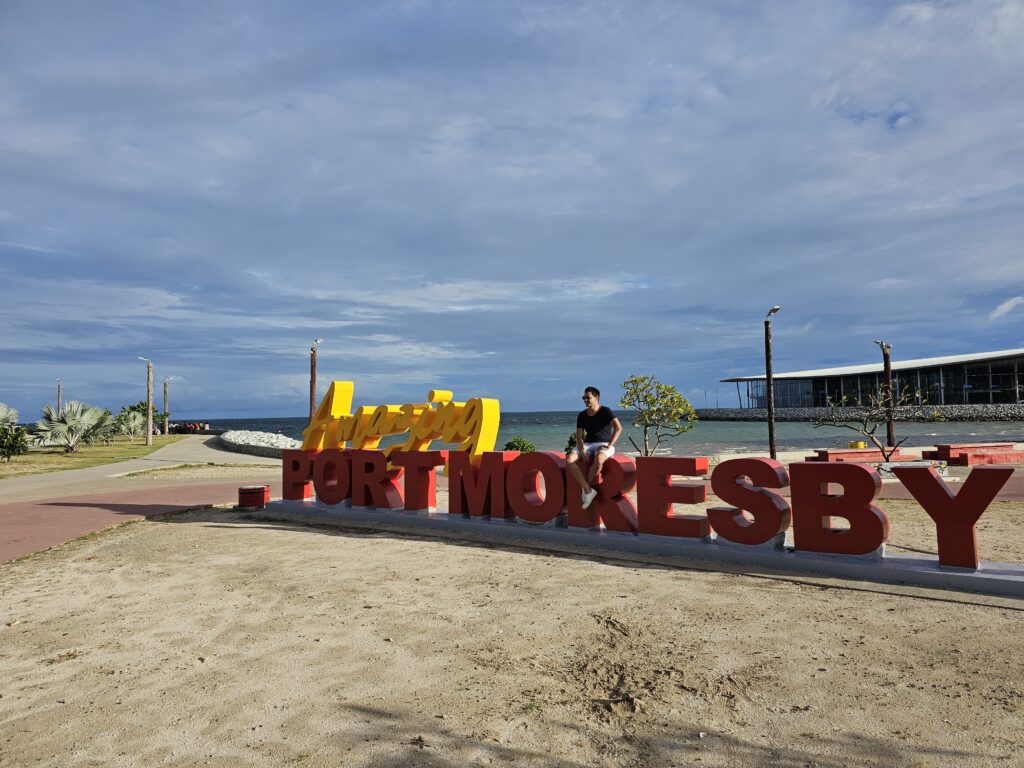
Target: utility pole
{"points": [[769, 381], [312, 377], [890, 396], [149, 400], [59, 394]]}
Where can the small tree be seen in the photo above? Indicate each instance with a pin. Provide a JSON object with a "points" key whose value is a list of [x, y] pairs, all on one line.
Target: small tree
{"points": [[140, 408], [865, 416], [660, 409], [8, 415], [13, 440], [132, 424]]}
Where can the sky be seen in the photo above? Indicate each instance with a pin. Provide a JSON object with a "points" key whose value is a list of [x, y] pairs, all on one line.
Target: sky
{"points": [[504, 199]]}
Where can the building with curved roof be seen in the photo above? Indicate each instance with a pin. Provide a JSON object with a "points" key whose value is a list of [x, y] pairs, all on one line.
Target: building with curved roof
{"points": [[982, 378]]}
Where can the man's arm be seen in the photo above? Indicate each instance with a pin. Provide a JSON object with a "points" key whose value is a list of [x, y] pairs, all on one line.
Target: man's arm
{"points": [[579, 444], [615, 435]]}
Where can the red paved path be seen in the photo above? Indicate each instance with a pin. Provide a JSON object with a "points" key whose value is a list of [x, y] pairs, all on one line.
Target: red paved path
{"points": [[31, 526]]}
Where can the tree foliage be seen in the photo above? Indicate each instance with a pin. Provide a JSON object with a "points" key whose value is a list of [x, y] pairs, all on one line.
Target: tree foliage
{"points": [[140, 408], [13, 440], [77, 424], [8, 415], [865, 416], [661, 411], [520, 444]]}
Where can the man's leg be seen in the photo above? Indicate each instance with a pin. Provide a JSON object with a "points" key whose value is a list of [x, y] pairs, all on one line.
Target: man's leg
{"points": [[595, 467], [576, 465]]}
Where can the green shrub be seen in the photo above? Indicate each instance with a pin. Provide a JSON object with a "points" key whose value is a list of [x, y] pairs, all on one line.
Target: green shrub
{"points": [[520, 444], [570, 443], [13, 441]]}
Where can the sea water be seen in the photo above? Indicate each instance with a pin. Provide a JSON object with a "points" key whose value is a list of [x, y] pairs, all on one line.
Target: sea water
{"points": [[550, 430]]}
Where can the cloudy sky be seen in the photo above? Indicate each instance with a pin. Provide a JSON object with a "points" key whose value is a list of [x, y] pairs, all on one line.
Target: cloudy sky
{"points": [[509, 199]]}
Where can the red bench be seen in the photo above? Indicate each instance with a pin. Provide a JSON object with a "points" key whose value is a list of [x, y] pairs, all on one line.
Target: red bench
{"points": [[972, 454], [858, 455]]}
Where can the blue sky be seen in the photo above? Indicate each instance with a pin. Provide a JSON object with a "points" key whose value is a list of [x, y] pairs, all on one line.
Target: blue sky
{"points": [[507, 199]]}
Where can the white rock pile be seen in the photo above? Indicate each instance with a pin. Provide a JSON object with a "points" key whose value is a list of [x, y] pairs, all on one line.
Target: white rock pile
{"points": [[257, 443]]}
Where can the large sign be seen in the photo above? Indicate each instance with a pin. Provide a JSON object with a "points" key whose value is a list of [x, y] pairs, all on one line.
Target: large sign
{"points": [[473, 425], [508, 485]]}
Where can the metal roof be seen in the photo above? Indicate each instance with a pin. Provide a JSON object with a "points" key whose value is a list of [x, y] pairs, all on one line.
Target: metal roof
{"points": [[897, 365]]}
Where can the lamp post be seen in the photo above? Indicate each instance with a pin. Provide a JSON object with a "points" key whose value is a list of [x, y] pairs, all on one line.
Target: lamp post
{"points": [[890, 404], [312, 377], [149, 399], [59, 394], [769, 382], [166, 408]]}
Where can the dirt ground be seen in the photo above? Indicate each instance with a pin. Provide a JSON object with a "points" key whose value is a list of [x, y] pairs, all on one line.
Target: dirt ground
{"points": [[211, 639]]}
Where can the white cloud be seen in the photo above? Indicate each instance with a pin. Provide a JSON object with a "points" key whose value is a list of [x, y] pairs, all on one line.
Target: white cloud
{"points": [[570, 187], [1007, 306]]}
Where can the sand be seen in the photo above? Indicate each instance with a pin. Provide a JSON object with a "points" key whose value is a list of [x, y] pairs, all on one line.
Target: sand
{"points": [[211, 639]]}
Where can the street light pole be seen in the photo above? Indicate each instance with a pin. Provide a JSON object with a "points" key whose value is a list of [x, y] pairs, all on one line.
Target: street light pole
{"points": [[769, 381], [149, 399], [312, 377], [59, 394], [166, 411], [890, 396]]}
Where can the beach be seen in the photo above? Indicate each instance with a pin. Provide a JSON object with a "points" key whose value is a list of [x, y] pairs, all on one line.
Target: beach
{"points": [[211, 639], [214, 638]]}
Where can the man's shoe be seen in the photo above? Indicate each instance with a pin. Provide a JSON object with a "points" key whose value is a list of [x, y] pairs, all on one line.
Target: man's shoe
{"points": [[588, 497]]}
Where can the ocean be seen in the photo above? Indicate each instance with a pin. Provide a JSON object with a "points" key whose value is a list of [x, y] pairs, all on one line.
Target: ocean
{"points": [[549, 431]]}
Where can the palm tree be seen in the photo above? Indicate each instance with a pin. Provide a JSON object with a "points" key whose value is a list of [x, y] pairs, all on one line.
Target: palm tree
{"points": [[132, 424], [77, 424]]}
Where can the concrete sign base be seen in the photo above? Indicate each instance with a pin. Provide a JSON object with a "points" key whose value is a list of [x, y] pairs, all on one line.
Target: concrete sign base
{"points": [[1005, 579]]}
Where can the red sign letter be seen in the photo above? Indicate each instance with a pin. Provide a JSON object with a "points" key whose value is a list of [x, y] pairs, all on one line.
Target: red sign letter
{"points": [[611, 507], [332, 476], [373, 485], [478, 491], [744, 482], [420, 477], [522, 484], [812, 511], [297, 469], [955, 514], [655, 495]]}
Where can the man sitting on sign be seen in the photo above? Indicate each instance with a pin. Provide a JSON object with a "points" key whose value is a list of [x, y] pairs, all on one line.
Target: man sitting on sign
{"points": [[597, 429]]}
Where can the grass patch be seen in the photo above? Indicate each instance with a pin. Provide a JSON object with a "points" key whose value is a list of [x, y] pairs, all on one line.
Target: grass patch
{"points": [[53, 458]]}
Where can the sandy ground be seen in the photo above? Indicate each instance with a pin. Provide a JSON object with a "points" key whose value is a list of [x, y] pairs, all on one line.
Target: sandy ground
{"points": [[211, 639]]}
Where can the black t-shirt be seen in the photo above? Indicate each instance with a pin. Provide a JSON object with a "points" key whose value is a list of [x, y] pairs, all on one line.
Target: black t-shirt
{"points": [[597, 428]]}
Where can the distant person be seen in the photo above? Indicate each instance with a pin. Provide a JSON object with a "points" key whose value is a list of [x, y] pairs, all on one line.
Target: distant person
{"points": [[597, 430]]}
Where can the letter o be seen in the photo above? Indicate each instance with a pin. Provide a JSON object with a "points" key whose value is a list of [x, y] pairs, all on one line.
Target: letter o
{"points": [[522, 484], [332, 476]]}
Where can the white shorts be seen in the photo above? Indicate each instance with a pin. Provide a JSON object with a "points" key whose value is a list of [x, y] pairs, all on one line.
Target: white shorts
{"points": [[591, 449]]}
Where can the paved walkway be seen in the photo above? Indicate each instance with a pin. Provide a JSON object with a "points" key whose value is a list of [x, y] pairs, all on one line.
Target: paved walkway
{"points": [[40, 511]]}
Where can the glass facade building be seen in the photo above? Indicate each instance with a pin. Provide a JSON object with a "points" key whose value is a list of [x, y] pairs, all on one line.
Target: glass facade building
{"points": [[987, 378]]}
